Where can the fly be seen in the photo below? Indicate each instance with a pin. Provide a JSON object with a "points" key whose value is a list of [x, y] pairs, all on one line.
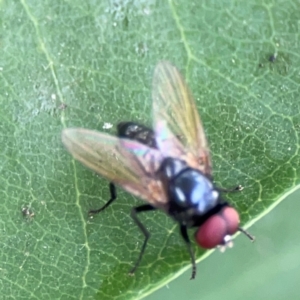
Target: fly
{"points": [[168, 166]]}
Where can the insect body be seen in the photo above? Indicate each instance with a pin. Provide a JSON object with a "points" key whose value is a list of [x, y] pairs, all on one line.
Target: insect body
{"points": [[169, 167], [137, 132]]}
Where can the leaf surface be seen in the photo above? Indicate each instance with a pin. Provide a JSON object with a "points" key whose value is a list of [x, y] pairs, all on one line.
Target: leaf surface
{"points": [[89, 64]]}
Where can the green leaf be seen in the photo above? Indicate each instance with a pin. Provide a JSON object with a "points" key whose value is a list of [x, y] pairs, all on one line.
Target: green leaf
{"points": [[89, 64]]}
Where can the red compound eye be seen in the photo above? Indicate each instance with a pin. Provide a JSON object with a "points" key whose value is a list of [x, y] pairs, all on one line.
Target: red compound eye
{"points": [[232, 219], [213, 231]]}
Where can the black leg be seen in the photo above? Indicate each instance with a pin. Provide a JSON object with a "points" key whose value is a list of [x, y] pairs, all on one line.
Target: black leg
{"points": [[184, 234], [113, 197], [237, 188], [146, 233], [247, 234]]}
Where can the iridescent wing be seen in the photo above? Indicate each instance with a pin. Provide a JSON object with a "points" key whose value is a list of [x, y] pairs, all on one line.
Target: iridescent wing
{"points": [[177, 124], [125, 162]]}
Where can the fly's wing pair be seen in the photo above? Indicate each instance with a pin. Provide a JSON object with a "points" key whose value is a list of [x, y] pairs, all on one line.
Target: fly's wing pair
{"points": [[125, 162], [177, 125], [134, 166]]}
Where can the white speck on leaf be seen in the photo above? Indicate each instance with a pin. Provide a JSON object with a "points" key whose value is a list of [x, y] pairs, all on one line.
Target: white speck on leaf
{"points": [[107, 126]]}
